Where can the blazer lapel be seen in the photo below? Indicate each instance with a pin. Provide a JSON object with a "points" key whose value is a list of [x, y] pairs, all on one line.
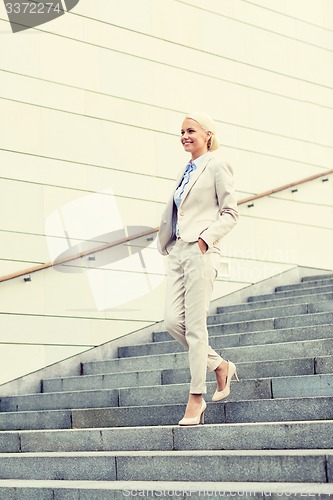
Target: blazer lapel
{"points": [[194, 177]]}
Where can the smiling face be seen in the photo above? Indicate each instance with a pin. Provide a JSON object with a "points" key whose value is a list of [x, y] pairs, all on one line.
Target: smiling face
{"points": [[194, 138]]}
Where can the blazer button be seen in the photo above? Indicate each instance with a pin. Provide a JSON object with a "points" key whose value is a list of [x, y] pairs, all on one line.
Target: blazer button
{"points": [[215, 242], [181, 213]]}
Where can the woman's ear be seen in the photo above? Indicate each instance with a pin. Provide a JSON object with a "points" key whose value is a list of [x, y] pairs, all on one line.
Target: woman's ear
{"points": [[209, 139]]}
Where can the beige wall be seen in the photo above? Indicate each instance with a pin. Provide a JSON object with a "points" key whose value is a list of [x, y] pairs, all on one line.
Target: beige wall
{"points": [[91, 106]]}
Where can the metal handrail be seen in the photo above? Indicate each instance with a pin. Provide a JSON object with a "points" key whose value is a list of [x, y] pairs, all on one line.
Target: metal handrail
{"points": [[282, 188], [105, 246], [78, 255]]}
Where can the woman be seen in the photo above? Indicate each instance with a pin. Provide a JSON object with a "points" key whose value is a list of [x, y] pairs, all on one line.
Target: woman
{"points": [[200, 212]]}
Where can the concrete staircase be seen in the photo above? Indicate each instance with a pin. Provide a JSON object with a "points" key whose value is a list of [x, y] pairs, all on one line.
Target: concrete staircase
{"points": [[112, 432]]}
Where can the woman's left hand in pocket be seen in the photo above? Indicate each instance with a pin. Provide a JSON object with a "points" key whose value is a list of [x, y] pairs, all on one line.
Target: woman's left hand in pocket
{"points": [[202, 245]]}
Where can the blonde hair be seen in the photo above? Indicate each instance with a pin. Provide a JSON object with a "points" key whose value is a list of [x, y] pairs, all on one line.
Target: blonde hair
{"points": [[208, 125]]}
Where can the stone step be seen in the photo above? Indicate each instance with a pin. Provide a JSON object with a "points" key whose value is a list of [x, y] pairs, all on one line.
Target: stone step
{"points": [[260, 410], [314, 466], [264, 388], [242, 327], [305, 292], [261, 313], [161, 394], [38, 420], [305, 284], [283, 367], [232, 340], [108, 381], [283, 350], [260, 336], [312, 318], [324, 364], [60, 400], [248, 389], [178, 393], [262, 325], [269, 435], [274, 312], [262, 369], [302, 386], [215, 330], [272, 435], [317, 277], [15, 489], [248, 306]]}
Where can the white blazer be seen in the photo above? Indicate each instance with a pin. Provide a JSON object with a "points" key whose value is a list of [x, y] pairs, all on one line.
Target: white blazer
{"points": [[208, 208]]}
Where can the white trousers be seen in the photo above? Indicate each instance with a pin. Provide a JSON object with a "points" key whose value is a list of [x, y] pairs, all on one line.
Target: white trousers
{"points": [[190, 279]]}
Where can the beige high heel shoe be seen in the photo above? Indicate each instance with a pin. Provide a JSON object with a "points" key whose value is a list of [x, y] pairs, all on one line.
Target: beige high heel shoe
{"points": [[200, 418], [219, 395]]}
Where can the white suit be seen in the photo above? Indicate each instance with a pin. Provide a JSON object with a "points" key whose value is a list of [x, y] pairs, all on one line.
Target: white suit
{"points": [[208, 210]]}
